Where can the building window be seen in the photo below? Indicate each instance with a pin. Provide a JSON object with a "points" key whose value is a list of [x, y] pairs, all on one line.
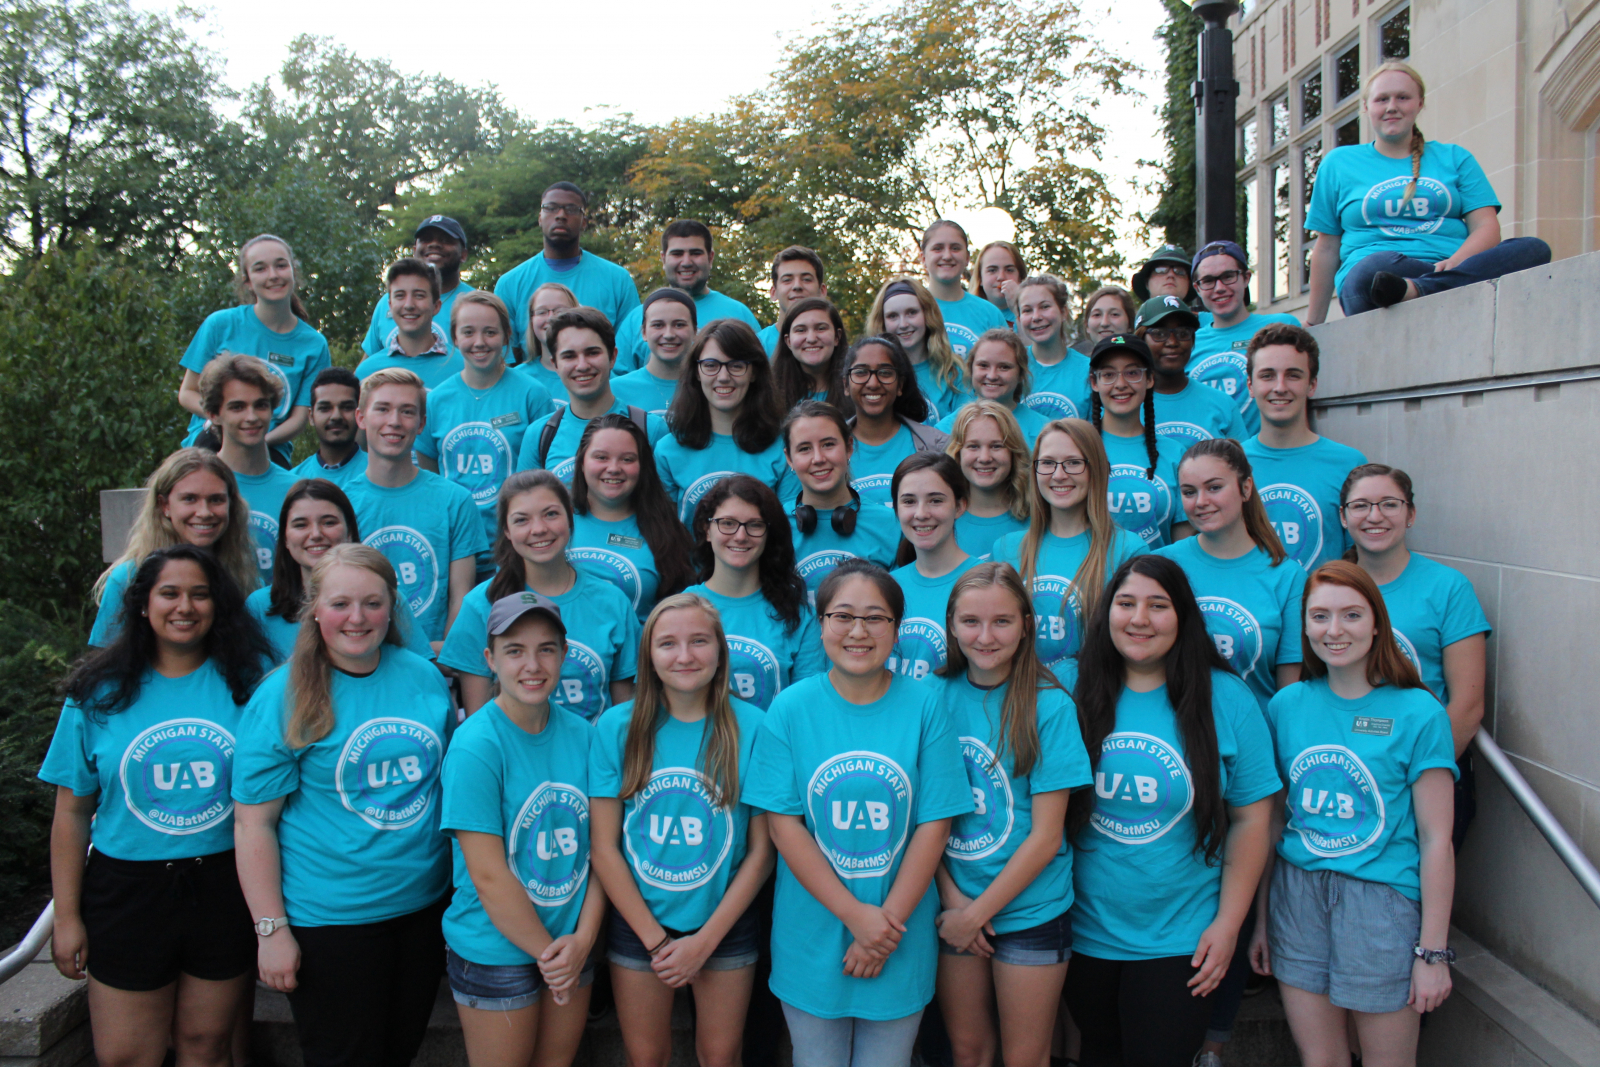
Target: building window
{"points": [[1310, 159], [1347, 72], [1247, 142], [1347, 132], [1394, 35], [1280, 120], [1248, 211], [1281, 229], [1311, 99]]}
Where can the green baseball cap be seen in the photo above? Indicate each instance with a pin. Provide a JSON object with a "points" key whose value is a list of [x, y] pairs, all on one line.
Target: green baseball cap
{"points": [[1158, 308], [1171, 255]]}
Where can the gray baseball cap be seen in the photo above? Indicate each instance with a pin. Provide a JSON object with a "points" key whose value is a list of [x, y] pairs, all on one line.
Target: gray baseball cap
{"points": [[508, 609]]}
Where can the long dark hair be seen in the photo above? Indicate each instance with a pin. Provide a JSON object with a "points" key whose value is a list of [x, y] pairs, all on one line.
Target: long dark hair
{"points": [[1193, 657], [756, 425], [941, 464], [108, 680], [511, 575], [782, 587], [790, 378], [910, 404], [288, 583], [657, 517]]}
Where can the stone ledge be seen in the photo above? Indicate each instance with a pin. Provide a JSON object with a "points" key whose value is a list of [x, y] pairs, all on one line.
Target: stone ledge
{"points": [[38, 1008]]}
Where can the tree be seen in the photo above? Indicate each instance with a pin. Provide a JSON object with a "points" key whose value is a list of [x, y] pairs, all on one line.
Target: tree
{"points": [[1174, 213]]}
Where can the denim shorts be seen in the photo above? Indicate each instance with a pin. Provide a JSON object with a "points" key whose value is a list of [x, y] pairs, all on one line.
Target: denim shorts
{"points": [[740, 947], [500, 987], [1342, 937], [1044, 945]]}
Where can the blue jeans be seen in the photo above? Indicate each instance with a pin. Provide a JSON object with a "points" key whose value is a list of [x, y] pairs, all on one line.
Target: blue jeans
{"points": [[1508, 257], [820, 1042]]}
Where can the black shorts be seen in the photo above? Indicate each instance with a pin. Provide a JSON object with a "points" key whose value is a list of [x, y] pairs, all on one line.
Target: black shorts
{"points": [[148, 921]]}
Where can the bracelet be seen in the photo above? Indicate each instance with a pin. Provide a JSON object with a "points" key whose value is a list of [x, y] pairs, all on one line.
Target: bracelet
{"points": [[665, 941], [1433, 955]]}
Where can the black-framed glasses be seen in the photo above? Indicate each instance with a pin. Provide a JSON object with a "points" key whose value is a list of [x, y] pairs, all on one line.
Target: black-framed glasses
{"points": [[1109, 375], [885, 373], [842, 622], [1072, 465], [728, 526], [737, 368], [1389, 507], [1209, 281], [573, 210]]}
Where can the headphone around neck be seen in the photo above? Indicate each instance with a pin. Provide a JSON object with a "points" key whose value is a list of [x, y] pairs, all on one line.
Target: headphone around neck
{"points": [[843, 520]]}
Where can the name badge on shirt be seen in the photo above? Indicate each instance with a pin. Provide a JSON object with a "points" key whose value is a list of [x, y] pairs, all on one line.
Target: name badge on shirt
{"points": [[1366, 724], [1241, 346], [508, 419], [624, 542], [280, 359]]}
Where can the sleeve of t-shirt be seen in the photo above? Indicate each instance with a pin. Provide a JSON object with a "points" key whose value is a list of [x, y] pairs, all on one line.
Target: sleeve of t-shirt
{"points": [[206, 344], [320, 361], [472, 789], [1322, 215], [655, 428], [373, 342], [410, 632], [1463, 614], [1289, 650], [1235, 427], [464, 643], [788, 487], [810, 657], [264, 767], [528, 454], [1472, 183], [426, 443], [746, 315], [669, 482], [466, 526], [1434, 745], [538, 404], [107, 619], [1252, 774], [770, 785], [605, 768], [625, 664], [628, 298], [68, 762], [941, 772], [1063, 761]]}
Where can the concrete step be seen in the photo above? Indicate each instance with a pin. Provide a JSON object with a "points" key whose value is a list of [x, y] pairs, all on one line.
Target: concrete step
{"points": [[44, 1018]]}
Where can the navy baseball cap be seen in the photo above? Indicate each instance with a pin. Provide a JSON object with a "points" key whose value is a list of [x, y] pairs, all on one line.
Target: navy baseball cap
{"points": [[444, 223], [1122, 342], [1219, 248]]}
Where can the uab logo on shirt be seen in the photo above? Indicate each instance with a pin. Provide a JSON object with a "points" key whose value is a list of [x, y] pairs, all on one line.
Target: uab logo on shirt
{"points": [[564, 469], [1408, 650], [582, 689], [677, 838], [1052, 405], [1386, 208], [387, 771], [614, 568], [548, 849], [1185, 432], [1058, 631], [817, 566], [281, 412], [1138, 504], [961, 338], [176, 776], [264, 532], [1334, 803], [697, 489], [859, 804], [1234, 631], [875, 486], [753, 670], [478, 458], [982, 832], [1142, 788], [415, 564], [1225, 370], [920, 648], [1297, 518]]}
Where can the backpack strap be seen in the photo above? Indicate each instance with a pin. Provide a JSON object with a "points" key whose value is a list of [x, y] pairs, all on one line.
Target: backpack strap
{"points": [[547, 434], [640, 418]]}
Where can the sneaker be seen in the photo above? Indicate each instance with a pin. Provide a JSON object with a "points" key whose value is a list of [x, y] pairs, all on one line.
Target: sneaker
{"points": [[1207, 1059], [1387, 289]]}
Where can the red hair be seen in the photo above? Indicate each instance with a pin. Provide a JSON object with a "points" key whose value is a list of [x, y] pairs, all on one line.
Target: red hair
{"points": [[1386, 664]]}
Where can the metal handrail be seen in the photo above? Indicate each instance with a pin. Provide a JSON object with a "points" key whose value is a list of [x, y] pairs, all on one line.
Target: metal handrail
{"points": [[23, 954], [1584, 871]]}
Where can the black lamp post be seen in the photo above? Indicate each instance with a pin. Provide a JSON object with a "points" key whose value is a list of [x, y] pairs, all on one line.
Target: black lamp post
{"points": [[1215, 97]]}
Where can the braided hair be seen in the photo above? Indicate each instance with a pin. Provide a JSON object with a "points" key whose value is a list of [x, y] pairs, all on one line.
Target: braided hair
{"points": [[1418, 142], [1149, 420]]}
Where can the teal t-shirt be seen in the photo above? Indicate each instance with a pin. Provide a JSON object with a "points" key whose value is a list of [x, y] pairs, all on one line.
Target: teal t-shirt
{"points": [[1431, 607], [1252, 609], [108, 616], [644, 390], [1350, 766], [359, 834], [532, 792], [764, 656], [343, 475], [872, 466], [264, 494], [475, 436], [1196, 413], [282, 633], [546, 377], [1029, 421], [163, 767], [769, 338], [383, 324], [863, 777], [977, 534], [617, 552], [1360, 193], [687, 474], [633, 352], [596, 282], [1144, 890], [1060, 390], [1300, 488], [942, 398], [294, 358], [1218, 360], [602, 642], [563, 454], [1142, 505], [818, 553], [1057, 613], [922, 645], [683, 847], [983, 841], [435, 366], [421, 528], [967, 318]]}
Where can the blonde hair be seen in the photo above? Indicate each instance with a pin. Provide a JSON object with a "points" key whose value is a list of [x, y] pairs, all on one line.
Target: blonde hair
{"points": [[1418, 142], [1010, 435], [533, 345], [234, 550], [948, 371], [394, 376], [1014, 344], [718, 763], [477, 297], [310, 690], [1089, 583]]}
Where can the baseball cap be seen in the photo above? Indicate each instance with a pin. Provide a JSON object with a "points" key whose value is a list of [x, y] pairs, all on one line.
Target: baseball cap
{"points": [[1122, 342], [1172, 255], [445, 223], [1219, 248], [1158, 308], [508, 609]]}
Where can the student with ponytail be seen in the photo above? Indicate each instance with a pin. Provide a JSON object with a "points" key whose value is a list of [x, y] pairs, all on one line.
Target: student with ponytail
{"points": [[1143, 488], [336, 784], [1403, 216]]}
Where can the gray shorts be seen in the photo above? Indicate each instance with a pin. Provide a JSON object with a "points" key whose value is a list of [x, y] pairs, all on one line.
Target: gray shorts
{"points": [[1339, 936]]}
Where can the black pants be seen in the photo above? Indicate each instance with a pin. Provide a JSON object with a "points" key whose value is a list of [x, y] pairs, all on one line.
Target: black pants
{"points": [[1227, 997], [1136, 1013], [365, 992]]}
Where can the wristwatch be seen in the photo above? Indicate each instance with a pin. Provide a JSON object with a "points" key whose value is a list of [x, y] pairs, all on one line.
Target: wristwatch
{"points": [[1433, 955], [266, 927]]}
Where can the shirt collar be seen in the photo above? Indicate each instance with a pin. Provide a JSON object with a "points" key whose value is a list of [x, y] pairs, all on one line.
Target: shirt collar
{"points": [[441, 343]]}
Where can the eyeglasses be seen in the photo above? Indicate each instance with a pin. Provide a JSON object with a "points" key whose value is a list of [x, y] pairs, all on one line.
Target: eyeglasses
{"points": [[885, 374], [1389, 507], [1072, 464], [842, 622], [1163, 334], [1209, 281], [730, 526], [1163, 271], [737, 368], [1109, 375], [561, 209]]}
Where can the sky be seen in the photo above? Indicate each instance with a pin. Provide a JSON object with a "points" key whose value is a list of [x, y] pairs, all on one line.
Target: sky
{"points": [[612, 56]]}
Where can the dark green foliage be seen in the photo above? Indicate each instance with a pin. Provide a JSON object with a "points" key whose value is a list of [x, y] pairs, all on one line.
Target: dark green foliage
{"points": [[1174, 214]]}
